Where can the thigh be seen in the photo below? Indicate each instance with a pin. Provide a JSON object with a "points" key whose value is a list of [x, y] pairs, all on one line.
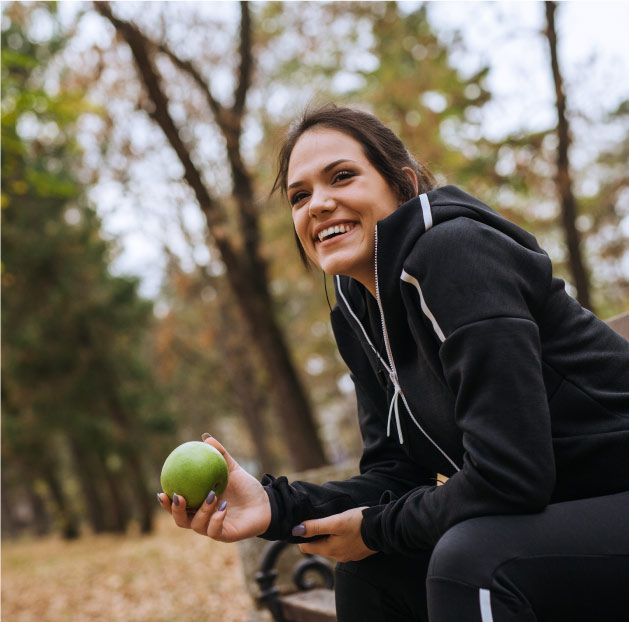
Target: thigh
{"points": [[569, 562], [382, 588]]}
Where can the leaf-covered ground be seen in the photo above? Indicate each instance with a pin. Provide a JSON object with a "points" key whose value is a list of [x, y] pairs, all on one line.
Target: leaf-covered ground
{"points": [[171, 575]]}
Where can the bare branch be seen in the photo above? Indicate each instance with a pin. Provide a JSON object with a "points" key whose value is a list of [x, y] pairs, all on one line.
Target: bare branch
{"points": [[187, 67], [229, 121], [140, 47], [563, 176], [246, 61]]}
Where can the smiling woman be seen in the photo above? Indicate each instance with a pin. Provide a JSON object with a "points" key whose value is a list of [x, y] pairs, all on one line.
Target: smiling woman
{"points": [[336, 205], [469, 360], [375, 147]]}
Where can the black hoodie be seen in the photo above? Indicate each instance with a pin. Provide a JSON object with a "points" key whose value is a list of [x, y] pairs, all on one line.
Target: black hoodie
{"points": [[475, 363]]}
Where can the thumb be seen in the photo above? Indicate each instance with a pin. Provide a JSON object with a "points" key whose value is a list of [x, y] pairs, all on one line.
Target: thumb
{"points": [[316, 527], [210, 440]]}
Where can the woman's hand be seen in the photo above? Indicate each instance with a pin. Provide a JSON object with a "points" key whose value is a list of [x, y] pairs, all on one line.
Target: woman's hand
{"points": [[343, 543], [243, 511]]}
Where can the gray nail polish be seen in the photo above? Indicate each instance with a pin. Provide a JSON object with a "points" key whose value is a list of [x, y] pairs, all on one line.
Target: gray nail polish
{"points": [[205, 435], [222, 506], [175, 499], [300, 530], [210, 498]]}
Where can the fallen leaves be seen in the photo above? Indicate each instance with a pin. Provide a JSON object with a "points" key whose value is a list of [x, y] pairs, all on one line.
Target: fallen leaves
{"points": [[170, 575]]}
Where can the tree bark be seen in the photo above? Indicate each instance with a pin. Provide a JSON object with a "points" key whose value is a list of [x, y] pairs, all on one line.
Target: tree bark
{"points": [[245, 269], [100, 517], [10, 524], [41, 518], [247, 389], [142, 496], [69, 520], [245, 385], [563, 175]]}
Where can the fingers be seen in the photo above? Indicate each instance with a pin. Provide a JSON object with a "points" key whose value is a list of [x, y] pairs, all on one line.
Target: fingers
{"points": [[215, 526], [176, 507], [178, 510], [325, 546], [316, 527], [164, 501], [202, 516]]}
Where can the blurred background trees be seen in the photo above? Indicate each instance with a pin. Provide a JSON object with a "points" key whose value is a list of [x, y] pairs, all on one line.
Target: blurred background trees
{"points": [[163, 119], [78, 393]]}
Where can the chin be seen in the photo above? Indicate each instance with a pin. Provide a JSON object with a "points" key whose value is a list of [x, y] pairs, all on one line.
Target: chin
{"points": [[335, 269], [338, 264]]}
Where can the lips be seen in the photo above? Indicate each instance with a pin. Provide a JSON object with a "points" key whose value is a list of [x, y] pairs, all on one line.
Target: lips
{"points": [[335, 230], [332, 229]]}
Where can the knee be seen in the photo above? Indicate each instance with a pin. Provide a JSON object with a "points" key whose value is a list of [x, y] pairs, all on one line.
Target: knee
{"points": [[467, 552]]}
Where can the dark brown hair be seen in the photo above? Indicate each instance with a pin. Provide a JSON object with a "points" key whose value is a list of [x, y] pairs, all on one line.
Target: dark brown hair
{"points": [[384, 150]]}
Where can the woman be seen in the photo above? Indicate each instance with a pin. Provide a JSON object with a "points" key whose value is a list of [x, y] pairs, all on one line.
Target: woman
{"points": [[469, 360]]}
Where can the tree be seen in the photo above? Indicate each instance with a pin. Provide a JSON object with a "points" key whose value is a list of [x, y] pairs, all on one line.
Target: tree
{"points": [[563, 174], [80, 406], [204, 359], [245, 267]]}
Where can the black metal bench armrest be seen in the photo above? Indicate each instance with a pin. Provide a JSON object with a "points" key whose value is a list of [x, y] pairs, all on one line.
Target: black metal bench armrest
{"points": [[269, 595]]}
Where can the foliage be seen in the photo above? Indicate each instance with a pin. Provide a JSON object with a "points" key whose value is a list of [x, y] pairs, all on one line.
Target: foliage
{"points": [[383, 56], [389, 59], [79, 401]]}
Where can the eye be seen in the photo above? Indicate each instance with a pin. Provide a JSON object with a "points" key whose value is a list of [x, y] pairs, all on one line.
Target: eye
{"points": [[297, 197], [342, 175]]}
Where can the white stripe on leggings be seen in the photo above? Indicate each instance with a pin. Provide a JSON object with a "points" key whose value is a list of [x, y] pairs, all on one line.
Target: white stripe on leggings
{"points": [[485, 606]]}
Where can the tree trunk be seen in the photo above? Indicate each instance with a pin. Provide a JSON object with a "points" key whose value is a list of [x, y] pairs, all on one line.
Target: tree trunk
{"points": [[245, 268], [290, 399], [563, 176], [90, 485], [10, 524], [247, 389], [119, 513], [69, 520], [144, 500], [41, 518]]}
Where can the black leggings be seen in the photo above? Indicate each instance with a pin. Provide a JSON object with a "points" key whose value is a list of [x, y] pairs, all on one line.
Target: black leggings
{"points": [[570, 562]]}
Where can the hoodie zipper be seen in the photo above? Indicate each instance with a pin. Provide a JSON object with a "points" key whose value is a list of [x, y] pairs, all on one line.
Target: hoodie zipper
{"points": [[393, 371]]}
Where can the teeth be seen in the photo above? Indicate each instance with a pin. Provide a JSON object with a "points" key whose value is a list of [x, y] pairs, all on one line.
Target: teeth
{"points": [[336, 229]]}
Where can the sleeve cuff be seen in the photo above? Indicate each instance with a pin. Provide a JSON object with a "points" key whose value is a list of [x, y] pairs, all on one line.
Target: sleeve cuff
{"points": [[270, 485], [371, 528]]}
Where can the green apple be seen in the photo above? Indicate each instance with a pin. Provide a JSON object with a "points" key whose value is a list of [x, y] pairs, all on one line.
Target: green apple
{"points": [[192, 470]]}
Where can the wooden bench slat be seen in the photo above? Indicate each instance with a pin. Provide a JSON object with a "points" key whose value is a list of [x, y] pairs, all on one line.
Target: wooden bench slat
{"points": [[620, 324], [316, 605]]}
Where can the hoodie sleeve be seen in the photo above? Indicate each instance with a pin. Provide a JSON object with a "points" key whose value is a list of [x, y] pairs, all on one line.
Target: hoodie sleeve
{"points": [[385, 469], [479, 292]]}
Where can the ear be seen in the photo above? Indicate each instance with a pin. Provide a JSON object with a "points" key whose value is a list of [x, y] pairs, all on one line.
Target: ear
{"points": [[413, 177]]}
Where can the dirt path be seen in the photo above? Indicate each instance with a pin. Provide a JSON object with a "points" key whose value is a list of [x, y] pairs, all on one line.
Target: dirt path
{"points": [[172, 575]]}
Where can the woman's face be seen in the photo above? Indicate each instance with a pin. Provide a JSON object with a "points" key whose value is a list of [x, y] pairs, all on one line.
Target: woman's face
{"points": [[337, 197]]}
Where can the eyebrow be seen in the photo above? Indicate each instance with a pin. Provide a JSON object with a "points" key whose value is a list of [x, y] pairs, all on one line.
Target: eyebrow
{"points": [[325, 169]]}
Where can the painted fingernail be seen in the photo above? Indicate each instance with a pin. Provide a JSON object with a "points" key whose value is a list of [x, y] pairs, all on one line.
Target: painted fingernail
{"points": [[300, 530], [176, 499], [210, 498], [159, 499], [205, 435], [222, 506]]}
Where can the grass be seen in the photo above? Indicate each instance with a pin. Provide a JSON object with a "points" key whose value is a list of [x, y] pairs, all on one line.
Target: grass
{"points": [[170, 575]]}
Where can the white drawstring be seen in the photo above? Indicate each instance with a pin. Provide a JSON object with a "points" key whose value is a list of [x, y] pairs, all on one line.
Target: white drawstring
{"points": [[394, 407]]}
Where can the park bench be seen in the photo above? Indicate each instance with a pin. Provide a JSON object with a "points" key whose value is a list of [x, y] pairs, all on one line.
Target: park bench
{"points": [[312, 598]]}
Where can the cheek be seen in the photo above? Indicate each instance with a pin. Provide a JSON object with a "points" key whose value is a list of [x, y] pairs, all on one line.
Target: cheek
{"points": [[300, 223]]}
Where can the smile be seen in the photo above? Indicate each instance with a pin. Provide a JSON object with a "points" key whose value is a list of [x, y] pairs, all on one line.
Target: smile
{"points": [[335, 230]]}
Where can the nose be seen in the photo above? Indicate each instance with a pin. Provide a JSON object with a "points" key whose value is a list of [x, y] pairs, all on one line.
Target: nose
{"points": [[321, 202]]}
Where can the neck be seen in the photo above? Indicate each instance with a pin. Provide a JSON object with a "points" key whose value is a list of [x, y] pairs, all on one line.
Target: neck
{"points": [[368, 281]]}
